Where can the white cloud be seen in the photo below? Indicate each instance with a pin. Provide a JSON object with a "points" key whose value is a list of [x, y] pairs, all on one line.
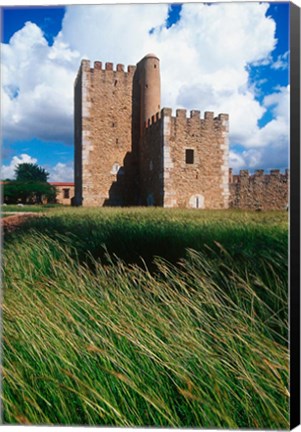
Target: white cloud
{"points": [[267, 158], [8, 171], [275, 133], [37, 87], [281, 62], [61, 172], [268, 147], [112, 33], [204, 65], [279, 101], [236, 161]]}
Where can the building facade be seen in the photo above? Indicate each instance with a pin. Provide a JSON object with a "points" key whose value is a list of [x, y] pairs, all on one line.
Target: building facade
{"points": [[64, 192], [129, 151]]}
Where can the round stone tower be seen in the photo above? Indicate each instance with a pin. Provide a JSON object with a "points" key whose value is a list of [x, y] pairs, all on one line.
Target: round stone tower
{"points": [[150, 88]]}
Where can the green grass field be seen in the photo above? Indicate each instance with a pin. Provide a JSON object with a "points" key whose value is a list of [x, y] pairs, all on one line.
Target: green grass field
{"points": [[27, 208], [147, 317]]}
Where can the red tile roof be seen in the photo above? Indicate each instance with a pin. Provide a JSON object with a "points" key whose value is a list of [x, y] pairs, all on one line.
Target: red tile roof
{"points": [[62, 183]]}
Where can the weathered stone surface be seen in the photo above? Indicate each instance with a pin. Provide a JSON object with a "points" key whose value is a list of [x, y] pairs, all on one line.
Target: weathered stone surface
{"points": [[259, 191], [129, 152], [105, 137]]}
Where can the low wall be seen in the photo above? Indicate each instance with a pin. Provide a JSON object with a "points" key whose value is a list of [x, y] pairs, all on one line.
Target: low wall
{"points": [[259, 191]]}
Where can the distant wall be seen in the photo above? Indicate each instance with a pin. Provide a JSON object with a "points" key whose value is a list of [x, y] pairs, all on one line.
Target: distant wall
{"points": [[259, 191]]}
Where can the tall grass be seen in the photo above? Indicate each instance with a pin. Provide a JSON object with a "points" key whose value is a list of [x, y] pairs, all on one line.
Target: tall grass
{"points": [[132, 234], [199, 343]]}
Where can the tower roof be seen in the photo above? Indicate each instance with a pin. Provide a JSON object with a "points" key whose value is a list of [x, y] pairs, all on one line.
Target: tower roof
{"points": [[150, 55]]}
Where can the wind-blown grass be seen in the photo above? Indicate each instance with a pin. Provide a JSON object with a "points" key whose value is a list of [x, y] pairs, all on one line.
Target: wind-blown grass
{"points": [[200, 343], [132, 234]]}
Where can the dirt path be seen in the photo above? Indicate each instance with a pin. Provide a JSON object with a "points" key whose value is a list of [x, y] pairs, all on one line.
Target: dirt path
{"points": [[10, 223]]}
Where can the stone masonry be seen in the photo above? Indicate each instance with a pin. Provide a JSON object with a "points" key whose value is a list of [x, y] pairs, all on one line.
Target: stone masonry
{"points": [[171, 180], [105, 127], [129, 151], [259, 191]]}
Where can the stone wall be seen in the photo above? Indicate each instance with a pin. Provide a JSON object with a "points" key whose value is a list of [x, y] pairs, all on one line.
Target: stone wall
{"points": [[195, 160], [124, 158], [259, 191], [78, 174], [105, 161], [151, 162]]}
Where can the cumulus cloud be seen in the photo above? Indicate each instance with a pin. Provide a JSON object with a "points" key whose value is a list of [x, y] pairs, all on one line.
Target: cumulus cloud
{"points": [[274, 134], [58, 173], [268, 147], [236, 161], [8, 171], [37, 87], [61, 172], [266, 158], [116, 33], [281, 62], [205, 58]]}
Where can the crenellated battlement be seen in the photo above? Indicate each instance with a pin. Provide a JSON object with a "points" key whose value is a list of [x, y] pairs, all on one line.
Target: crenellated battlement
{"points": [[153, 120], [106, 67], [193, 115], [245, 175], [184, 113], [170, 158], [260, 190]]}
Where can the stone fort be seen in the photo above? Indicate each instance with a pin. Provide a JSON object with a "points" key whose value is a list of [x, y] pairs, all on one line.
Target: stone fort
{"points": [[129, 151]]}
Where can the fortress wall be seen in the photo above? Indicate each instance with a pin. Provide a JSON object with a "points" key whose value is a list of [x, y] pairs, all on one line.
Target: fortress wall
{"points": [[78, 138], [151, 162], [259, 191], [203, 181], [127, 153], [106, 133]]}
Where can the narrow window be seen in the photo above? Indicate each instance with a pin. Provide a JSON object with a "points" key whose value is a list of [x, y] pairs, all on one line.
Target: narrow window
{"points": [[66, 193], [115, 83], [189, 156], [116, 141]]}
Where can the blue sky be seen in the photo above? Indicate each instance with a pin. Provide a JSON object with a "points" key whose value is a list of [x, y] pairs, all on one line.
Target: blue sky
{"points": [[240, 62]]}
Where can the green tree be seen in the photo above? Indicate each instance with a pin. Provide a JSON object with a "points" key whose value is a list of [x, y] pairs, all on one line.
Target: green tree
{"points": [[28, 192], [30, 186], [31, 172]]}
